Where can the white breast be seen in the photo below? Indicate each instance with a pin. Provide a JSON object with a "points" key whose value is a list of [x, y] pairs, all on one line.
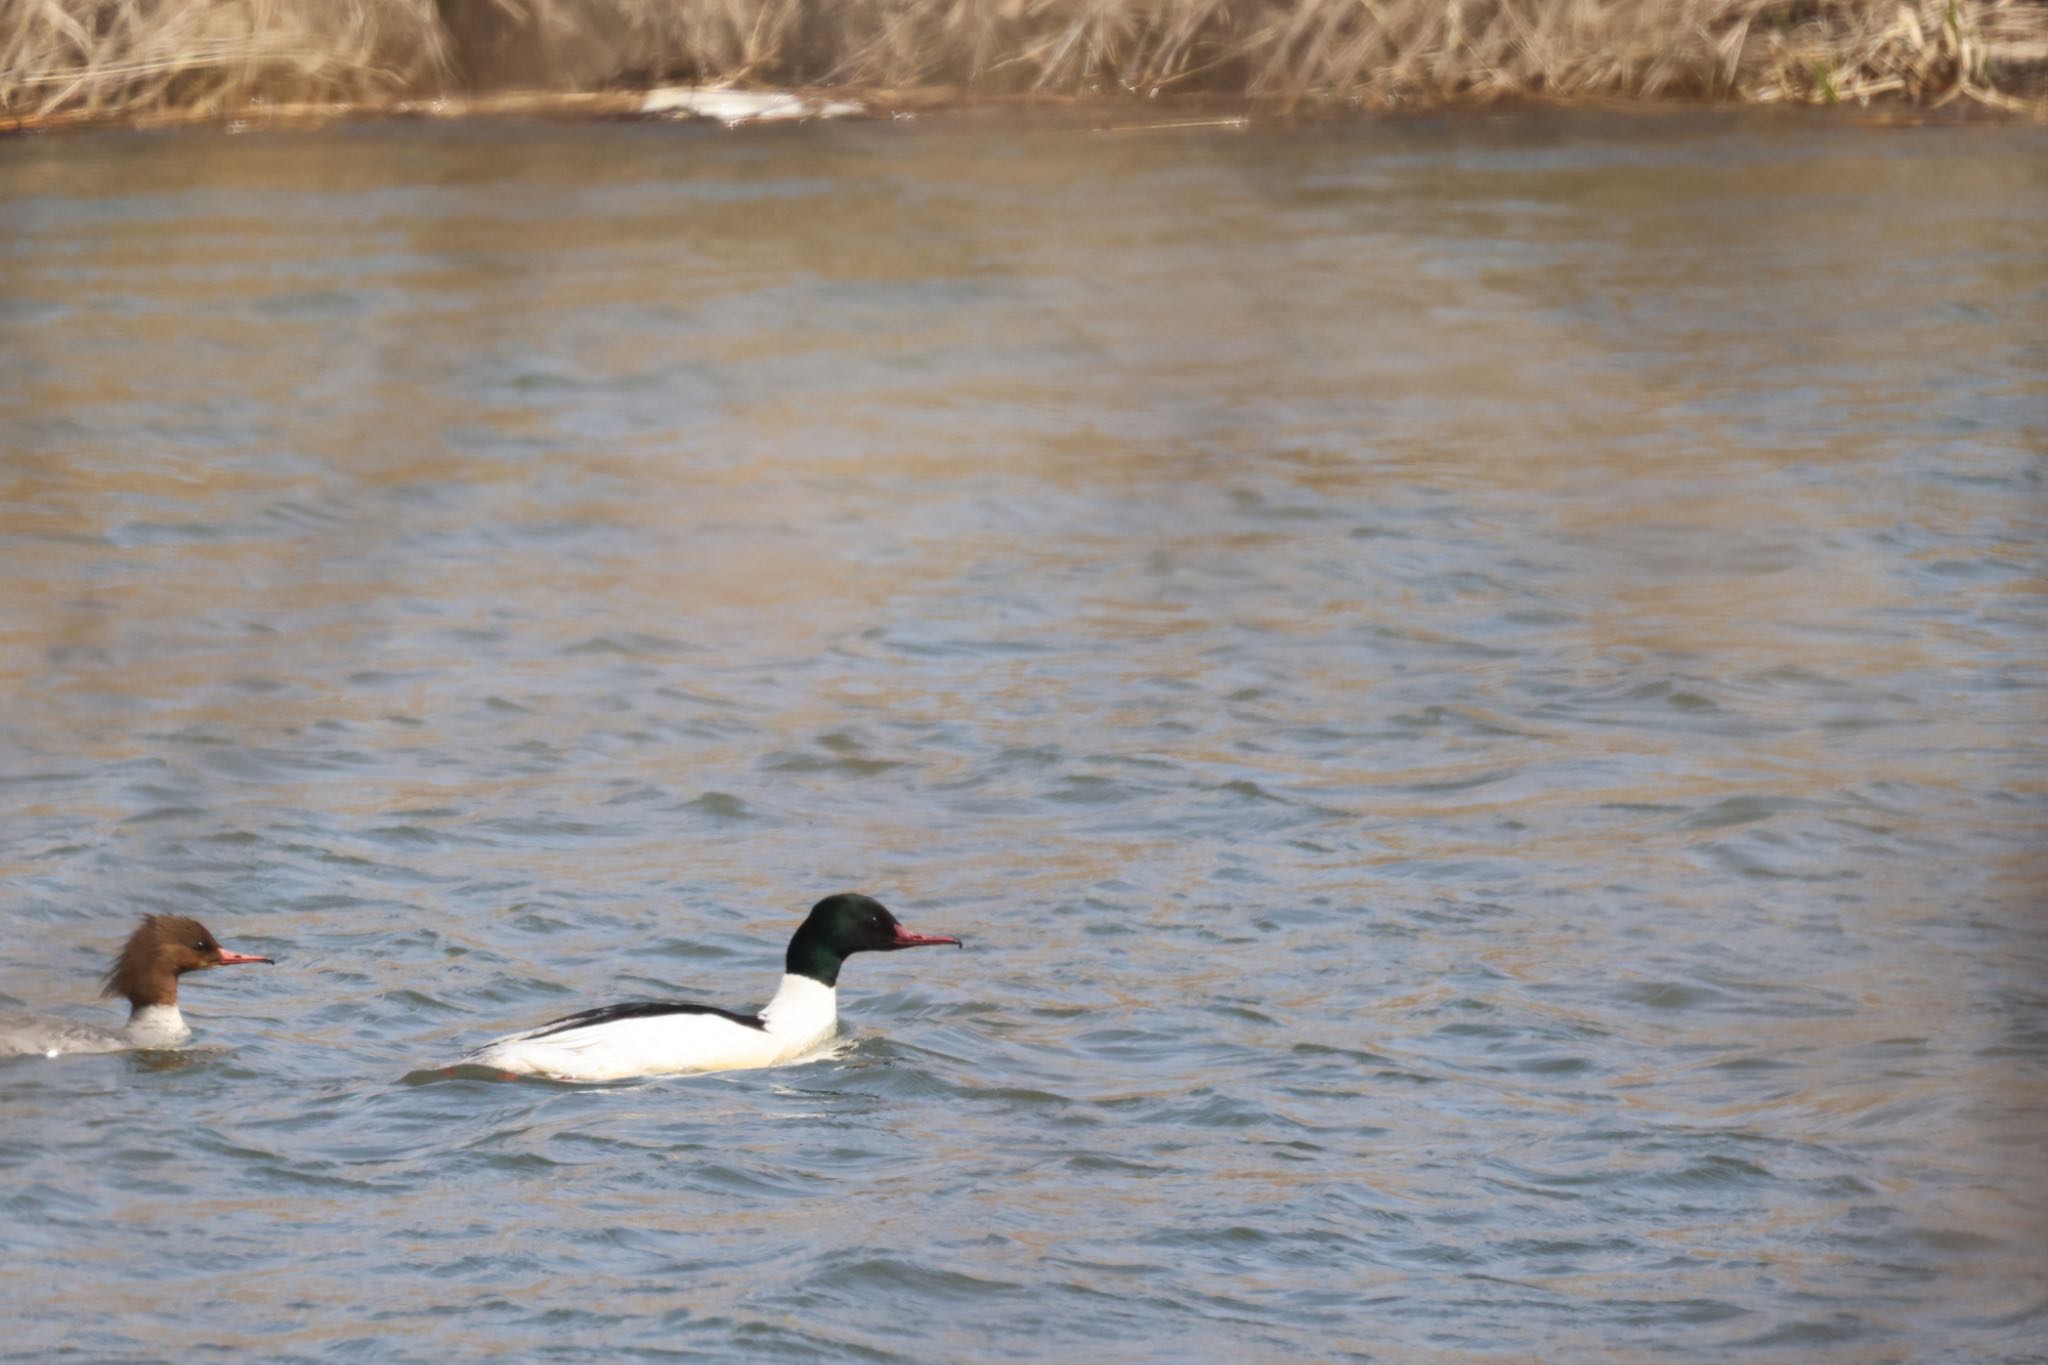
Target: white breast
{"points": [[156, 1026], [802, 1016]]}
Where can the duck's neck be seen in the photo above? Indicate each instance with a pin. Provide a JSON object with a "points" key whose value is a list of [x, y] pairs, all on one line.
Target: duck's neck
{"points": [[149, 1024], [811, 955], [803, 1007], [147, 981]]}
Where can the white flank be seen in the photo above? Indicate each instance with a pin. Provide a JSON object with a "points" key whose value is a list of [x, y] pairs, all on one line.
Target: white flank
{"points": [[802, 1015]]}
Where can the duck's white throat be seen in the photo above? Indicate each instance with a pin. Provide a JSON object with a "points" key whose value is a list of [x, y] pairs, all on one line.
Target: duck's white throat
{"points": [[804, 1011], [156, 1026]]}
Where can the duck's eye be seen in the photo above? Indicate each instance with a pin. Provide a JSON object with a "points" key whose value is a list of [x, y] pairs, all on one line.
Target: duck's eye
{"points": [[202, 945]]}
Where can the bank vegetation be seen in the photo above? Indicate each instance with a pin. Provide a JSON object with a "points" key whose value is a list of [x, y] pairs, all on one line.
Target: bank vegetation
{"points": [[68, 61]]}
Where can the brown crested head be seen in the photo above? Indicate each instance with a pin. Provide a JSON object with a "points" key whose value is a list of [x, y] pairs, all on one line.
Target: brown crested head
{"points": [[163, 948]]}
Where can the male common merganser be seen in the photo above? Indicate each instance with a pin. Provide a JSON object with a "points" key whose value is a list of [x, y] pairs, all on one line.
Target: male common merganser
{"points": [[162, 949], [648, 1038]]}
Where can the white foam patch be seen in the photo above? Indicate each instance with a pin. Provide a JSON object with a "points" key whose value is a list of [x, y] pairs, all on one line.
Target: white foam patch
{"points": [[734, 107]]}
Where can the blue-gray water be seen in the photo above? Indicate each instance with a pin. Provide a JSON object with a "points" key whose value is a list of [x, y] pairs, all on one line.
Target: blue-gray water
{"points": [[1475, 688]]}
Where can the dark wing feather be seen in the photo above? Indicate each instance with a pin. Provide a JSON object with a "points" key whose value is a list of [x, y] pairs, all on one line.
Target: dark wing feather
{"points": [[637, 1009]]}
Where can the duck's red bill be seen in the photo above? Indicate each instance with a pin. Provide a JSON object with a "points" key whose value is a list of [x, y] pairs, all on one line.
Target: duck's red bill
{"points": [[229, 958], [906, 939]]}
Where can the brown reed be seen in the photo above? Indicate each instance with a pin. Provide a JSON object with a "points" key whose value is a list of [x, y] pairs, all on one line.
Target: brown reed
{"points": [[71, 60]]}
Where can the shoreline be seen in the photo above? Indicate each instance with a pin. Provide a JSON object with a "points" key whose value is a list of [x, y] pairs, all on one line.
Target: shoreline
{"points": [[68, 64], [748, 106]]}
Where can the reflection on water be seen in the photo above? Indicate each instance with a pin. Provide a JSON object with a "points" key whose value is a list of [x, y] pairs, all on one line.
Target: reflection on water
{"points": [[1474, 686]]}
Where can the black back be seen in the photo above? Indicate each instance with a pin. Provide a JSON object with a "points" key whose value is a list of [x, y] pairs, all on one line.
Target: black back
{"points": [[638, 1009]]}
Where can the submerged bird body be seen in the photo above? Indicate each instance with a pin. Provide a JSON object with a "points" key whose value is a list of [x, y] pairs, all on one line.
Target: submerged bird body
{"points": [[162, 949], [615, 1042], [24, 1035]]}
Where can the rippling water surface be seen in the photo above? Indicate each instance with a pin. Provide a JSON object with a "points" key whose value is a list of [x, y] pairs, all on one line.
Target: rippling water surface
{"points": [[1476, 690]]}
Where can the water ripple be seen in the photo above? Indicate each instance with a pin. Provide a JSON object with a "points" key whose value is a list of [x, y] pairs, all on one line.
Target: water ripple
{"points": [[1472, 687]]}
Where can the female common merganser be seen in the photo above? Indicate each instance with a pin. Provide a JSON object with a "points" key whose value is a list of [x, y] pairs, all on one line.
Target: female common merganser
{"points": [[162, 949], [647, 1038]]}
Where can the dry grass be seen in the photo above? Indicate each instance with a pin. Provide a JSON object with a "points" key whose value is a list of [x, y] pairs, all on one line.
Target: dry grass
{"points": [[128, 58], [120, 57]]}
